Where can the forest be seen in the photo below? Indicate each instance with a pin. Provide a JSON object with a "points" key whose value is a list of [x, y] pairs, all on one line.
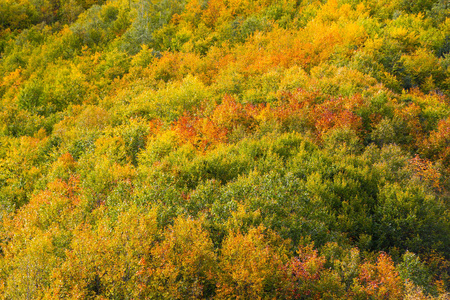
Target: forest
{"points": [[225, 149]]}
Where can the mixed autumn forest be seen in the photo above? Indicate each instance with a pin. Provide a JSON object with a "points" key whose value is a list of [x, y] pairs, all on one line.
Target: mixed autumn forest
{"points": [[225, 149]]}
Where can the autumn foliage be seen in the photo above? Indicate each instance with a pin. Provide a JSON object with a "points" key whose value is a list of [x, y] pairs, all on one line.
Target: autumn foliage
{"points": [[224, 149]]}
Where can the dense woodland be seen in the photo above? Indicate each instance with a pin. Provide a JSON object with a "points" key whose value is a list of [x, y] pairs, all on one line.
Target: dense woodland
{"points": [[224, 149]]}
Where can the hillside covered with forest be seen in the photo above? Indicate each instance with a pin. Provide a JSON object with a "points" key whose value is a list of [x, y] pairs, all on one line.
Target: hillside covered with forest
{"points": [[225, 149]]}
